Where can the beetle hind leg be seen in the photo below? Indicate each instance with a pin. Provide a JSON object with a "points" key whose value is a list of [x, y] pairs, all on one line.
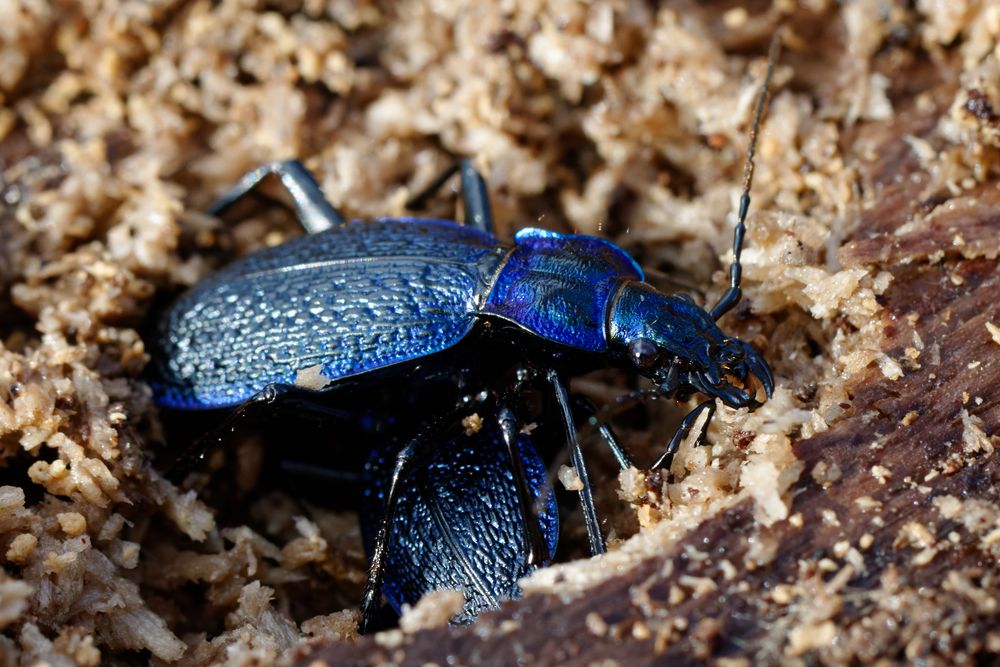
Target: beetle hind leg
{"points": [[537, 550], [475, 198], [315, 213], [197, 451], [594, 535], [372, 599]]}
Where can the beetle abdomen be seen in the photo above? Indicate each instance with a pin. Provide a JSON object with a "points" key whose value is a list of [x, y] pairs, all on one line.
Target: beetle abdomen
{"points": [[457, 523], [348, 300]]}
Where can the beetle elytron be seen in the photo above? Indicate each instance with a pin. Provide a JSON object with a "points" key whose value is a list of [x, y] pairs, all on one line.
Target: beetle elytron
{"points": [[405, 306]]}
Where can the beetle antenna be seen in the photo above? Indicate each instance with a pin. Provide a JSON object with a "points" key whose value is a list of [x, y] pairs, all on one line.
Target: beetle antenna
{"points": [[622, 402], [608, 411], [733, 294]]}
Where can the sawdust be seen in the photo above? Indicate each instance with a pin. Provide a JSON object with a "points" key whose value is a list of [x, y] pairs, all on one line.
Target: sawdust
{"points": [[122, 120]]}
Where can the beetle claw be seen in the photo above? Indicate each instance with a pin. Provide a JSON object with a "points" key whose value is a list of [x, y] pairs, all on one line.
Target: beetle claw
{"points": [[759, 368]]}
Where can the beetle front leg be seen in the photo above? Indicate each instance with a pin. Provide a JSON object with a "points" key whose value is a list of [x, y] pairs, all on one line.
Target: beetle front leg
{"points": [[316, 214], [576, 457], [607, 434], [665, 461]]}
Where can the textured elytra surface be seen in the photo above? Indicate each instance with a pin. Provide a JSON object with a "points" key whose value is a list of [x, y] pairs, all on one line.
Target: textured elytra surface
{"points": [[348, 300], [458, 523]]}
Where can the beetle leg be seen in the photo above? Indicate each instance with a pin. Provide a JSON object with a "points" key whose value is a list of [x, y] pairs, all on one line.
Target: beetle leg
{"points": [[305, 470], [315, 213], [475, 197], [372, 598], [667, 459], [200, 448], [269, 397], [670, 383], [536, 549], [419, 201], [610, 438], [576, 457], [373, 590]]}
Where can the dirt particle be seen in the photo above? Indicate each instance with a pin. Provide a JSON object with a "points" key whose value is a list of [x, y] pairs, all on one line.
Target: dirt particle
{"points": [[72, 523], [881, 473], [472, 423], [311, 378], [569, 478], [21, 548], [595, 624], [978, 105], [434, 610], [994, 332]]}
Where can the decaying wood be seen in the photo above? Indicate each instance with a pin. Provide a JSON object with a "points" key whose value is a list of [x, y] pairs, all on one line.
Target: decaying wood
{"points": [[891, 547], [122, 120]]}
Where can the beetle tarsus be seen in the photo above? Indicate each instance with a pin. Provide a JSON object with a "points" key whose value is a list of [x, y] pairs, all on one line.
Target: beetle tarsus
{"points": [[667, 459]]}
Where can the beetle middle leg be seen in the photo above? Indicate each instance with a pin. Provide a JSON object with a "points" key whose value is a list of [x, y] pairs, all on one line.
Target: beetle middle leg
{"points": [[475, 196], [604, 430], [315, 213], [594, 535]]}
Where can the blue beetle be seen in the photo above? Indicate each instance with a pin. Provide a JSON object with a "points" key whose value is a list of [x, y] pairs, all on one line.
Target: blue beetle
{"points": [[401, 307]]}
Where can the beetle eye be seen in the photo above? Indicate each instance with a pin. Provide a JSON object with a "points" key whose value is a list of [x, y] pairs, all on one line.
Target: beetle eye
{"points": [[644, 353]]}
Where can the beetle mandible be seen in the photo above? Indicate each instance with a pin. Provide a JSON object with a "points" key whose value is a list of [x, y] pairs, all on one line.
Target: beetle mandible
{"points": [[369, 303]]}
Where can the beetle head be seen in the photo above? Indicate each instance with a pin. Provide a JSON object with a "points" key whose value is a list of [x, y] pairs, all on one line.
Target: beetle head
{"points": [[679, 346]]}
